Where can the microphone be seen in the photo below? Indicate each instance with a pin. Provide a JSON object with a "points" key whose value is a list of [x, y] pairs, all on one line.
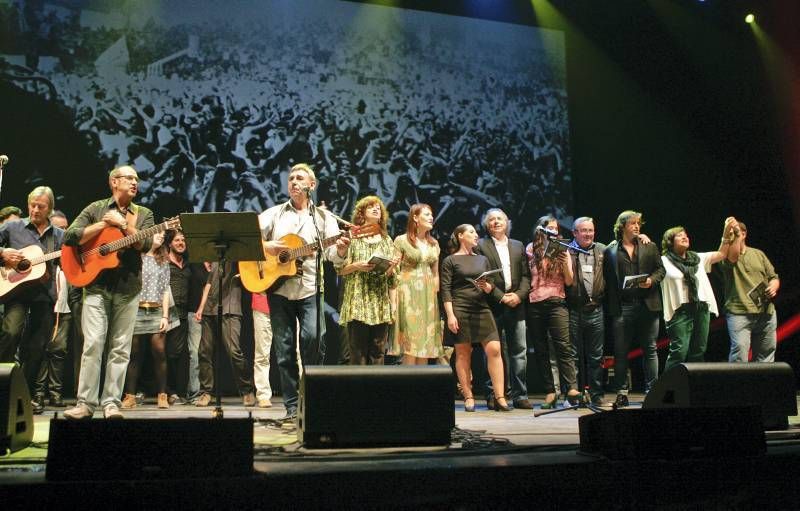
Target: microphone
{"points": [[306, 190], [546, 231], [3, 159]]}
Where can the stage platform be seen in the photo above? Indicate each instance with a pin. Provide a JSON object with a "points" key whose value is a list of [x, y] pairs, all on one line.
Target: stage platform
{"points": [[494, 460]]}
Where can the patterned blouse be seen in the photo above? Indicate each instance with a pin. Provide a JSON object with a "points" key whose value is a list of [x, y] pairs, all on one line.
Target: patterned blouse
{"points": [[155, 279], [366, 294]]}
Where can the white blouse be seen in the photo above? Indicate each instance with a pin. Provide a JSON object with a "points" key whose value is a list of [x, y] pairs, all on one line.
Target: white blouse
{"points": [[675, 293]]}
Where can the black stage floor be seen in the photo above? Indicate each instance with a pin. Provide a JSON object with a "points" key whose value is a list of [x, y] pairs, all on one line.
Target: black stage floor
{"points": [[495, 460]]}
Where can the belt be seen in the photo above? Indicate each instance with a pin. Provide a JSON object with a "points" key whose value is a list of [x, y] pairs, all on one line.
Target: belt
{"points": [[591, 306], [149, 305]]}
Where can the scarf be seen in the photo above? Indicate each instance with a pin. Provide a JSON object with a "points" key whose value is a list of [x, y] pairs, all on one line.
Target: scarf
{"points": [[688, 267]]}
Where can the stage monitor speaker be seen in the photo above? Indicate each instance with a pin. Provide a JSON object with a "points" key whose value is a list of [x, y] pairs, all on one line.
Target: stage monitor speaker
{"points": [[370, 406], [134, 449], [770, 386], [16, 416], [673, 433]]}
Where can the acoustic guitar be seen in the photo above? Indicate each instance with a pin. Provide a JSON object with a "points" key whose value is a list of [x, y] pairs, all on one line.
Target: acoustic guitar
{"points": [[28, 271], [83, 264], [258, 276]]}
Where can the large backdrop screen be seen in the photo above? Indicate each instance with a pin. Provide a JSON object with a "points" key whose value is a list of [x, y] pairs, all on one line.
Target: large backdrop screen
{"points": [[214, 100]]}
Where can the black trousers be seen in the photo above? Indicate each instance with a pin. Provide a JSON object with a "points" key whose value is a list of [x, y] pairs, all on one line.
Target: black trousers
{"points": [[231, 330]]}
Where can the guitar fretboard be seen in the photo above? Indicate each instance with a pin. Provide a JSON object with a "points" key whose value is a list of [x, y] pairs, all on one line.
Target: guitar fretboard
{"points": [[129, 240], [46, 257], [309, 248]]}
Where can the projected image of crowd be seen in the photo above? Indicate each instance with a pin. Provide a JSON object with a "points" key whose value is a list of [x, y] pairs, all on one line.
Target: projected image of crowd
{"points": [[213, 116]]}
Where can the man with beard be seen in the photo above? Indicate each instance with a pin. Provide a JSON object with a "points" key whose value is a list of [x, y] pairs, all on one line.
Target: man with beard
{"points": [[635, 308]]}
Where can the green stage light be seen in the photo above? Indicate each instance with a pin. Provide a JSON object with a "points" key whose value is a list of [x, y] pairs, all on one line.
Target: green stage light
{"points": [[750, 18]]}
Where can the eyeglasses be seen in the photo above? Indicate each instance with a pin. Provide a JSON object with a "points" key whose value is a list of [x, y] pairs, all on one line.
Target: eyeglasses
{"points": [[129, 178]]}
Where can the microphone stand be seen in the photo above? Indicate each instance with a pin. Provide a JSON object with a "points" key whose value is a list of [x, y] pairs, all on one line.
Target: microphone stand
{"points": [[312, 210]]}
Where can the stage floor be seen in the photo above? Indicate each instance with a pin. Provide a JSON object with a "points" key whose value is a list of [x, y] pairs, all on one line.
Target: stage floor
{"points": [[481, 433], [491, 452]]}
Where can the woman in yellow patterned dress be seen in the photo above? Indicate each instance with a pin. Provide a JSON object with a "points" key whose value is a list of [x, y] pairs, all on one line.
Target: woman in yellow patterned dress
{"points": [[418, 328], [366, 311]]}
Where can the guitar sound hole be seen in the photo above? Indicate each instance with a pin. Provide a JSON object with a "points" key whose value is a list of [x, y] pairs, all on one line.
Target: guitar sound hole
{"points": [[23, 265], [103, 250], [283, 257]]}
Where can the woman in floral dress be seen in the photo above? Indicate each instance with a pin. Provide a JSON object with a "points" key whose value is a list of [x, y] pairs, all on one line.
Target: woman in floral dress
{"points": [[418, 328], [366, 311]]}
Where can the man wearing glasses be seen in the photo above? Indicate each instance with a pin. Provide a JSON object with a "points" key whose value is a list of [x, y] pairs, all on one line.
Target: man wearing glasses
{"points": [[110, 302]]}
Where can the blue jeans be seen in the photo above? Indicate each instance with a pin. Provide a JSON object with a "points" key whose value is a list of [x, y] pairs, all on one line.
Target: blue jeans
{"points": [[514, 351], [587, 332], [107, 321], [193, 341], [752, 330], [285, 314], [635, 322]]}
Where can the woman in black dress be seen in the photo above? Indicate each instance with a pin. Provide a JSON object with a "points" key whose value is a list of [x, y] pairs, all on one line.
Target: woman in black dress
{"points": [[468, 315]]}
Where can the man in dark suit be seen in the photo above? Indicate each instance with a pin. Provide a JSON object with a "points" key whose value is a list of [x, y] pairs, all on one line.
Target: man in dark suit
{"points": [[585, 300], [635, 309], [507, 300]]}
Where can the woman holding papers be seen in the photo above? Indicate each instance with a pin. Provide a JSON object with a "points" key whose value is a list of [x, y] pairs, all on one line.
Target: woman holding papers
{"points": [[551, 271], [469, 319], [418, 328], [687, 294], [369, 286]]}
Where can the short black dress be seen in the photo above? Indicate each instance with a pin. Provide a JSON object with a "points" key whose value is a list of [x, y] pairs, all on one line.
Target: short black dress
{"points": [[475, 321]]}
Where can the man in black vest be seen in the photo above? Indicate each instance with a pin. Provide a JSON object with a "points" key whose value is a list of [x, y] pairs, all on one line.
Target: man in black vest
{"points": [[585, 300], [633, 271]]}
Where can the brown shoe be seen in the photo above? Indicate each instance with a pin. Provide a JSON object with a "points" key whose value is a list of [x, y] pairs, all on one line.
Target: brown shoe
{"points": [[163, 401], [264, 403], [128, 401], [249, 399], [203, 400]]}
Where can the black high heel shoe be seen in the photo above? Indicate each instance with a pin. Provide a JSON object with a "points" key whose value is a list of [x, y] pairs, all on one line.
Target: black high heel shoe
{"points": [[469, 408], [501, 407]]}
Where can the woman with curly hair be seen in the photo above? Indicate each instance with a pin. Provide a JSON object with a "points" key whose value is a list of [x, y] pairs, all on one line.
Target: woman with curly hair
{"points": [[366, 311], [548, 313]]}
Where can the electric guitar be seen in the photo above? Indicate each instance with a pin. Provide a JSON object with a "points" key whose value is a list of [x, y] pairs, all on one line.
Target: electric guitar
{"points": [[83, 264], [258, 276], [28, 271]]}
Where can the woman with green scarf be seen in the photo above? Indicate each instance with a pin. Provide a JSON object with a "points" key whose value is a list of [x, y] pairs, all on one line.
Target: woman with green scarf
{"points": [[687, 294]]}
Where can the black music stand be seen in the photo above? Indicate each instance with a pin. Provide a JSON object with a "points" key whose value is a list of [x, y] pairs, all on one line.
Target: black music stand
{"points": [[221, 237]]}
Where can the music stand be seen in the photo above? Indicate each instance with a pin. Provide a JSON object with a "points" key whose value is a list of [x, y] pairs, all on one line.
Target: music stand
{"points": [[221, 237]]}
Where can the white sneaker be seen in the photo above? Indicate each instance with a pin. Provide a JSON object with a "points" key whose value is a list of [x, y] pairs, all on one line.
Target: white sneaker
{"points": [[111, 411], [78, 412]]}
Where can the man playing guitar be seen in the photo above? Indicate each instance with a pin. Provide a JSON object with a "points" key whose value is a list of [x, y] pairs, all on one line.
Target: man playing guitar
{"points": [[110, 301], [38, 297], [295, 299]]}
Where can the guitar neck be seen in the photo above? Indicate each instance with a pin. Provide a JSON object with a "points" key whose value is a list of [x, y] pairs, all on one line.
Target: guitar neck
{"points": [[133, 238], [309, 248], [46, 257]]}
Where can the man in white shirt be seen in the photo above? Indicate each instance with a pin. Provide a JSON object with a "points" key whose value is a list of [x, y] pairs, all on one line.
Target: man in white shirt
{"points": [[294, 301]]}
